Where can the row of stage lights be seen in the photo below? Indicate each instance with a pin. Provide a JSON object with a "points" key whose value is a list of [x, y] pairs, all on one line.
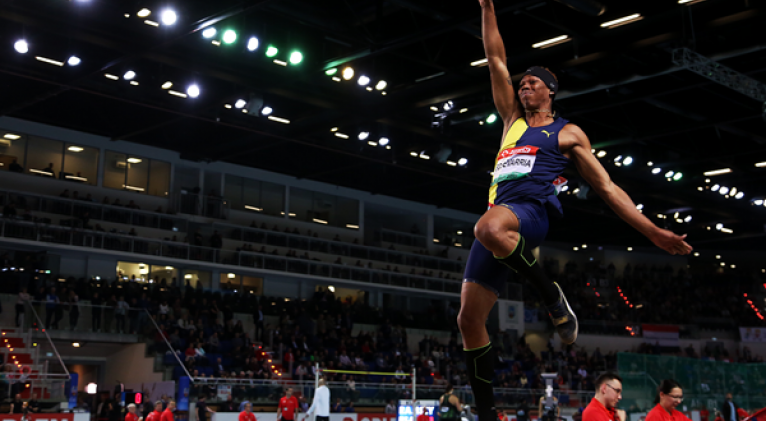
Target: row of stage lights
{"points": [[752, 306], [450, 106], [230, 37], [363, 81], [626, 161]]}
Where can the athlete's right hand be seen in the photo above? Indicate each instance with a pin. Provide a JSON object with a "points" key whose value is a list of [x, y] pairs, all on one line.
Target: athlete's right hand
{"points": [[671, 242]]}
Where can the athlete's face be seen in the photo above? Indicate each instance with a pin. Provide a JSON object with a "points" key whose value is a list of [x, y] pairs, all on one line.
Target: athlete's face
{"points": [[533, 93]]}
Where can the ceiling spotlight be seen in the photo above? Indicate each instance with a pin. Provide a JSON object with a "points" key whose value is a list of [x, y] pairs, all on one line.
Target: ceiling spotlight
{"points": [[491, 119], [240, 103], [618, 158], [21, 46], [678, 176], [639, 206], [688, 219], [129, 75], [348, 73], [383, 141], [266, 110], [717, 172], [229, 36], [363, 80], [381, 85], [627, 161], [144, 13], [462, 162], [669, 174], [723, 190], [718, 226], [193, 91], [656, 170], [715, 187], [167, 85], [252, 44], [74, 61], [448, 105], [209, 32], [272, 51], [168, 17], [601, 154], [364, 135], [739, 195], [649, 164], [296, 57], [733, 191]]}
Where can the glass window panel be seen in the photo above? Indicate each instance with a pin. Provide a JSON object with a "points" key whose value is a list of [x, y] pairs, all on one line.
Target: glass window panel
{"points": [[251, 194], [138, 174], [115, 168], [233, 191], [301, 204], [252, 285], [80, 164], [323, 209], [348, 212], [134, 272], [12, 150], [272, 198], [230, 282], [166, 273], [197, 277], [47, 157], [159, 178]]}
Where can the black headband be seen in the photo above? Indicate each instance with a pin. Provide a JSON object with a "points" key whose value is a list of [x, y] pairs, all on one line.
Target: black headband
{"points": [[547, 77]]}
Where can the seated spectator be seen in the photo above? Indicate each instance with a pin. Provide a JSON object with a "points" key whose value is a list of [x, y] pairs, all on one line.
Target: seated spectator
{"points": [[337, 406], [15, 167], [49, 169], [65, 193], [350, 408]]}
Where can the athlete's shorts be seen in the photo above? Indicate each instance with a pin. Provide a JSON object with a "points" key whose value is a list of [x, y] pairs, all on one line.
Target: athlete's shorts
{"points": [[482, 267]]}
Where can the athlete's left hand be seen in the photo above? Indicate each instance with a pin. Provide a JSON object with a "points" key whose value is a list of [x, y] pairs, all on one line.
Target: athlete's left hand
{"points": [[671, 242]]}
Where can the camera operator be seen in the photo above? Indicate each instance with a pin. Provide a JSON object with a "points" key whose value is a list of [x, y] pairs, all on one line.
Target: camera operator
{"points": [[549, 409]]}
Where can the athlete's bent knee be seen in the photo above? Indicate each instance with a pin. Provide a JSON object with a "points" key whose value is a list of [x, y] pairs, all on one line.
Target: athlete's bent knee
{"points": [[488, 232], [469, 322]]}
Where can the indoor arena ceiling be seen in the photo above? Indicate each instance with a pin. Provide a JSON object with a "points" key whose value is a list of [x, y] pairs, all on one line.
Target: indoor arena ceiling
{"points": [[619, 84]]}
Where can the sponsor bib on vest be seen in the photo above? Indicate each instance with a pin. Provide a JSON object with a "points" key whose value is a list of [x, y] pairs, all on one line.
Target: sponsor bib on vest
{"points": [[514, 163]]}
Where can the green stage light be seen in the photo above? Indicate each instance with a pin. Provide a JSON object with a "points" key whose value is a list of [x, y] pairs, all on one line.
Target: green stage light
{"points": [[491, 119], [272, 51], [296, 57], [229, 36], [331, 72]]}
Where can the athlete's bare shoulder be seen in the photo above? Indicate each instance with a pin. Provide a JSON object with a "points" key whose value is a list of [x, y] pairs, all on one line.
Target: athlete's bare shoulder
{"points": [[571, 135]]}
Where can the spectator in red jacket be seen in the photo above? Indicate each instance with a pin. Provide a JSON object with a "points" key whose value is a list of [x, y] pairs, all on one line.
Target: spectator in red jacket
{"points": [[167, 414]]}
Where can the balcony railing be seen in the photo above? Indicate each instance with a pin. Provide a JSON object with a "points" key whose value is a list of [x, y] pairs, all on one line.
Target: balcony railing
{"points": [[24, 230]]}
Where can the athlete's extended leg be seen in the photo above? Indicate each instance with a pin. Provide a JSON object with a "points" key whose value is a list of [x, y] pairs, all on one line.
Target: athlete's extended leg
{"points": [[499, 231], [476, 302]]}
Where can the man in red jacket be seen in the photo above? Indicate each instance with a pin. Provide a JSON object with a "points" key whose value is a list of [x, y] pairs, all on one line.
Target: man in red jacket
{"points": [[247, 415], [167, 414], [131, 415], [157, 413]]}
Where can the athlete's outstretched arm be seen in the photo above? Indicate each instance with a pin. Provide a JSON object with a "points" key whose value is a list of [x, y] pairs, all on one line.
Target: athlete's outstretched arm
{"points": [[502, 87], [595, 174]]}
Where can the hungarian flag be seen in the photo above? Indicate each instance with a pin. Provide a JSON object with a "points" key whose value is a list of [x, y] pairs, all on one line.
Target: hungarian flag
{"points": [[666, 336]]}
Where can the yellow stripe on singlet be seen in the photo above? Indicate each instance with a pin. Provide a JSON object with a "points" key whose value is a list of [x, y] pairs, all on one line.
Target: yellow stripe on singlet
{"points": [[518, 128]]}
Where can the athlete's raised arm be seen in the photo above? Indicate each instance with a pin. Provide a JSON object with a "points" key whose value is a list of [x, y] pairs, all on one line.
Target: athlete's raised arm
{"points": [[502, 87], [576, 145]]}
